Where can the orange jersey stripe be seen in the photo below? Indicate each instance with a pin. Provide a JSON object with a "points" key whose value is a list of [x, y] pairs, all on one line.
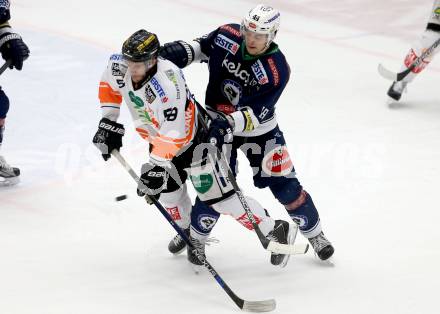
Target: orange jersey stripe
{"points": [[108, 95]]}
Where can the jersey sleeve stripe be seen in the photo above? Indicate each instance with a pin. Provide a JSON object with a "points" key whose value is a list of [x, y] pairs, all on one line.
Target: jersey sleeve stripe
{"points": [[108, 95]]}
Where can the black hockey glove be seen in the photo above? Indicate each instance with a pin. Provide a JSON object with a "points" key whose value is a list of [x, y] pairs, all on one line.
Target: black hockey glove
{"points": [[220, 132], [178, 52], [108, 137], [152, 181], [13, 48]]}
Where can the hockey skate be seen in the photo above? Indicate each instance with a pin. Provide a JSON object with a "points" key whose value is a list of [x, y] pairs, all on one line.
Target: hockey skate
{"points": [[323, 248], [193, 258], [395, 91], [177, 244], [8, 175], [284, 233]]}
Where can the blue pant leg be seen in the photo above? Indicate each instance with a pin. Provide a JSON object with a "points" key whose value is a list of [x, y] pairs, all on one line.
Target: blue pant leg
{"points": [[203, 218], [4, 104], [274, 168]]}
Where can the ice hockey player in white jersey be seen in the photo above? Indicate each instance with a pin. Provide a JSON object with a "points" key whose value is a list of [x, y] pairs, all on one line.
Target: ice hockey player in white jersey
{"points": [[424, 42], [14, 51], [165, 114]]}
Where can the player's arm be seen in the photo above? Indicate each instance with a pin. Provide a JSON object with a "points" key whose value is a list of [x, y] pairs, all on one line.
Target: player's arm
{"points": [[12, 46], [109, 134], [259, 107], [183, 53]]}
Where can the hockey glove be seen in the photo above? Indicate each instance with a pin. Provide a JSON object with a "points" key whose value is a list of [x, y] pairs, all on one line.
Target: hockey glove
{"points": [[220, 132], [152, 181], [178, 52], [108, 137], [13, 48]]}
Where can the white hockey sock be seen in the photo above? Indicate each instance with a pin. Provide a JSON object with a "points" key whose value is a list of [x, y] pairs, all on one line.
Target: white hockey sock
{"points": [[178, 205], [421, 45], [232, 206]]}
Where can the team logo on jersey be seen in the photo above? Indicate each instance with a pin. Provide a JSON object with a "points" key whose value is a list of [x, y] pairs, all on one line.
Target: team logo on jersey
{"points": [[159, 89], [241, 74], [277, 162], [232, 91], [149, 94], [260, 73], [206, 222], [244, 220], [226, 43], [274, 70], [437, 11]]}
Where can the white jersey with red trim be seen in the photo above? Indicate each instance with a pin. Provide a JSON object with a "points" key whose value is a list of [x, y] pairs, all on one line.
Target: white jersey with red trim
{"points": [[163, 110]]}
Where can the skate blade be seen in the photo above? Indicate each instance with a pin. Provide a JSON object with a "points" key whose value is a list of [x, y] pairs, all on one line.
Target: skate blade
{"points": [[9, 181]]}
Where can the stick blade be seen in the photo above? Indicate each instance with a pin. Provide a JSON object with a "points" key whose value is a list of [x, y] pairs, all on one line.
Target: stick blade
{"points": [[291, 249], [259, 306], [385, 73]]}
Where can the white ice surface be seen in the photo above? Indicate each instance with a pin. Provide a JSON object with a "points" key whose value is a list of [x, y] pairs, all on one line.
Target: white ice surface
{"points": [[374, 173]]}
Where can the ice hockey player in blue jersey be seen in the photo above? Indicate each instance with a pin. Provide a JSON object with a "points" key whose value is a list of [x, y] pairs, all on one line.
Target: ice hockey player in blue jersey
{"points": [[14, 50], [247, 75]]}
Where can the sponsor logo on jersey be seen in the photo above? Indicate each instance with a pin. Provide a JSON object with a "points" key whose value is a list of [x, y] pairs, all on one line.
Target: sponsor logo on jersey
{"points": [[226, 43], [149, 94], [275, 73], [172, 77], [206, 222], [174, 213], [231, 30], [140, 108], [437, 11], [260, 73], [159, 89], [118, 69], [252, 25], [116, 57], [277, 162], [241, 74], [244, 220], [202, 183], [232, 91]]}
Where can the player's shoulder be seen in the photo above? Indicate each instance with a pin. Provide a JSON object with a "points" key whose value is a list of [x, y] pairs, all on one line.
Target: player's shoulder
{"points": [[117, 66], [169, 70], [275, 65], [230, 30]]}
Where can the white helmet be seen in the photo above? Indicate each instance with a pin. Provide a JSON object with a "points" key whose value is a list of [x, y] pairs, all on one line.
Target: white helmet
{"points": [[262, 19]]}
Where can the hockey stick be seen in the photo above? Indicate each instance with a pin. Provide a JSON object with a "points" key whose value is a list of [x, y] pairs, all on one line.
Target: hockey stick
{"points": [[5, 66], [250, 306], [269, 245], [393, 76]]}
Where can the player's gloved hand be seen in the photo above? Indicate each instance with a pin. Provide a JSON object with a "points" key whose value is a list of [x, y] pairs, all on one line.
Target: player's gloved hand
{"points": [[152, 181], [108, 137], [13, 48], [178, 52], [220, 132]]}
